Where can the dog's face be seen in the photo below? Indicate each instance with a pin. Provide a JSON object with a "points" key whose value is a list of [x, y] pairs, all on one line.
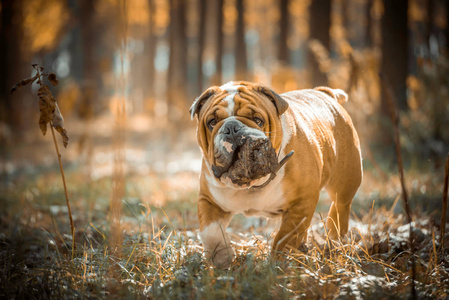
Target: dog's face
{"points": [[227, 117]]}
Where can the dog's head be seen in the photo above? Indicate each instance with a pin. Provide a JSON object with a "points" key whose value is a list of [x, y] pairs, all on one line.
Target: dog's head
{"points": [[230, 115]]}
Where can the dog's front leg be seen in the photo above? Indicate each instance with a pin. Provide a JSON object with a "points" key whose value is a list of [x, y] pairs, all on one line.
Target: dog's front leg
{"points": [[213, 222], [295, 221]]}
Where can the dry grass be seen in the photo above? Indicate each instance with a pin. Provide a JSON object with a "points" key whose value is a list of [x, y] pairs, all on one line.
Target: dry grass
{"points": [[161, 255]]}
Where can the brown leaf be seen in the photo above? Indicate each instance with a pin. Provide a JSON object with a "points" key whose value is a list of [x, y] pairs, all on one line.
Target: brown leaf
{"points": [[58, 120], [52, 77], [47, 105], [58, 124], [23, 82], [65, 138]]}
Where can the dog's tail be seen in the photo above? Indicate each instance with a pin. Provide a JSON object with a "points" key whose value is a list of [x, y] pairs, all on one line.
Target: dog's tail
{"points": [[337, 94]]}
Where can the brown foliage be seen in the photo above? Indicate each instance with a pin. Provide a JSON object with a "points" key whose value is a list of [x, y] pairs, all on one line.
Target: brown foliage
{"points": [[50, 113], [23, 82], [48, 107]]}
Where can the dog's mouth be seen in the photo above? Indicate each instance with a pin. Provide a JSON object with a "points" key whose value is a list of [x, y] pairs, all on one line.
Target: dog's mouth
{"points": [[248, 160], [227, 157], [235, 157]]}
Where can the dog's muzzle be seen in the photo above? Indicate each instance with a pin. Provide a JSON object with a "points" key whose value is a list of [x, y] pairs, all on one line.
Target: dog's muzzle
{"points": [[243, 154], [227, 142]]}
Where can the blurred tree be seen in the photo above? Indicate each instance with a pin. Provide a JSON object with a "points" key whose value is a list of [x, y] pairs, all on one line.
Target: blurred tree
{"points": [[345, 12], [90, 67], [447, 24], [11, 60], [284, 23], [356, 19], [177, 68], [241, 62], [150, 50], [430, 20], [395, 50], [220, 37], [320, 16], [369, 24], [437, 24], [201, 40], [44, 23]]}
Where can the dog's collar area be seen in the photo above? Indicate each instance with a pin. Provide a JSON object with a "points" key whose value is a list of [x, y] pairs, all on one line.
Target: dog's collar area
{"points": [[273, 174]]}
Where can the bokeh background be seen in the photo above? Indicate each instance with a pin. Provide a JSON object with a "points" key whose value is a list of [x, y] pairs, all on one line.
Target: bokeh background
{"points": [[130, 69], [128, 72]]}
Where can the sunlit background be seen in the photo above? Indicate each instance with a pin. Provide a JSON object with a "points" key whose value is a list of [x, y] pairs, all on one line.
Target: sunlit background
{"points": [[144, 61]]}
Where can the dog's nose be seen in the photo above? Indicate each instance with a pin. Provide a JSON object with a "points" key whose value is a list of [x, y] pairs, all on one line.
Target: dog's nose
{"points": [[231, 128]]}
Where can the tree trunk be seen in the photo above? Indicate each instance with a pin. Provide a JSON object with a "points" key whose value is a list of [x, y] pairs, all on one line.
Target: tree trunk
{"points": [[430, 15], [446, 31], [395, 50], [201, 39], [171, 60], [345, 19], [320, 13], [369, 25], [220, 37], [11, 62], [283, 51], [241, 64], [90, 70], [177, 68], [151, 51]]}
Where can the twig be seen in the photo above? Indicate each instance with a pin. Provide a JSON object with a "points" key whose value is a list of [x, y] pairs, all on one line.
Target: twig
{"points": [[445, 191], [50, 114], [395, 120], [72, 227]]}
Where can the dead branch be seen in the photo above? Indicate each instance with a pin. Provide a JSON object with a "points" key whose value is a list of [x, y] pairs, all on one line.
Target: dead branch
{"points": [[50, 114], [445, 191], [395, 120]]}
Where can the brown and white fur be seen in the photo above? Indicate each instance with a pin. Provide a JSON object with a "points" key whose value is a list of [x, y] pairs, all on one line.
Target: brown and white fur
{"points": [[327, 155]]}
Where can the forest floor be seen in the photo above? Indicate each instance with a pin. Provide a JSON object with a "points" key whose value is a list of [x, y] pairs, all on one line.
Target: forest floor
{"points": [[160, 255]]}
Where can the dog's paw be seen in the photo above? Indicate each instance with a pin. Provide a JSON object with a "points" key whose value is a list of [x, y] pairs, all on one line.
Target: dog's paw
{"points": [[221, 258]]}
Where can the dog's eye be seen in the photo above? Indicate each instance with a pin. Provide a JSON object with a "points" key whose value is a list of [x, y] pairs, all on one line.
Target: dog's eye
{"points": [[211, 124], [258, 121]]}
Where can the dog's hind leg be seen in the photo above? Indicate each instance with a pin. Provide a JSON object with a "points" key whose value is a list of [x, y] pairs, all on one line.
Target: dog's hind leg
{"points": [[341, 189], [295, 221]]}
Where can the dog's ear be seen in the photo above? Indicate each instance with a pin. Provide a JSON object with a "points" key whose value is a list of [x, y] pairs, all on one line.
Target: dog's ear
{"points": [[278, 101], [200, 101]]}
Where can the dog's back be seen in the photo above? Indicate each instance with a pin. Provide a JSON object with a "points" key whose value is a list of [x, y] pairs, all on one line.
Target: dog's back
{"points": [[328, 128]]}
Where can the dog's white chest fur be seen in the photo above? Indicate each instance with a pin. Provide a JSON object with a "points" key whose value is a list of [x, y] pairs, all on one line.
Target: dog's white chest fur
{"points": [[264, 202]]}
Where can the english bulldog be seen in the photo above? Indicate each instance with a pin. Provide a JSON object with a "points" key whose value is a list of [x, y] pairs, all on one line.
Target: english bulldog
{"points": [[310, 122]]}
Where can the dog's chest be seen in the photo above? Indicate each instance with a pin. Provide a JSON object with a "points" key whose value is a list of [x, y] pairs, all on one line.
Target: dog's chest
{"points": [[267, 201]]}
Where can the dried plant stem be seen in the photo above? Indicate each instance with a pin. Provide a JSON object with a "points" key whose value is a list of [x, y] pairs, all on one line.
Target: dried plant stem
{"points": [[445, 191], [395, 120], [118, 189], [72, 227]]}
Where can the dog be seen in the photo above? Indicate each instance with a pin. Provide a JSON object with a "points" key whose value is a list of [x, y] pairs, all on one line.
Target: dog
{"points": [[310, 122]]}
